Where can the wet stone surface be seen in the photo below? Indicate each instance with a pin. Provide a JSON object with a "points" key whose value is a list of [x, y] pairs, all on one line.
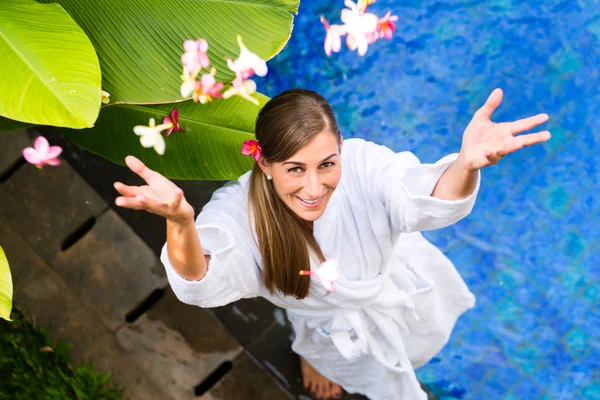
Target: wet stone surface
{"points": [[184, 340], [13, 144], [47, 205], [111, 269], [246, 380]]}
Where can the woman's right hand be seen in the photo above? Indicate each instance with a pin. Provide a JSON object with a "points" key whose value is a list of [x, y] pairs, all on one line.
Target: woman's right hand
{"points": [[160, 195]]}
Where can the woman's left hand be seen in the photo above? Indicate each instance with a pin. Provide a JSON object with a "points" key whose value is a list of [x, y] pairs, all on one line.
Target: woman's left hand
{"points": [[486, 142]]}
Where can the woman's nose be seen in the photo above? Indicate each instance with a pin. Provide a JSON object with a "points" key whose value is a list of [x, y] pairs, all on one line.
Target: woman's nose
{"points": [[314, 186]]}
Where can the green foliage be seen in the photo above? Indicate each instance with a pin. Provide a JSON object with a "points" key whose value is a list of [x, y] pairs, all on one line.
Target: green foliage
{"points": [[32, 368], [140, 43], [209, 149], [6, 287], [50, 71]]}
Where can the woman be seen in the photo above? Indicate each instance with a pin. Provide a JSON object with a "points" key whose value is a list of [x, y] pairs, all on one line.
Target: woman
{"points": [[398, 297]]}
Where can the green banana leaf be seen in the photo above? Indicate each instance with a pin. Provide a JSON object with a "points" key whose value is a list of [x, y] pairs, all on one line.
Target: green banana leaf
{"points": [[209, 149], [6, 287], [50, 71], [140, 42]]}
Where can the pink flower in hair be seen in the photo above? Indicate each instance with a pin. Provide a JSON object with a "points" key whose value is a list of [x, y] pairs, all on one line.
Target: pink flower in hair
{"points": [[328, 273], [42, 153], [252, 148]]}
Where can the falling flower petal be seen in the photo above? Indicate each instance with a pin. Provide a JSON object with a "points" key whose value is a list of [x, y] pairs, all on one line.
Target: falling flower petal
{"points": [[361, 27], [207, 88], [42, 153], [333, 41], [387, 26], [189, 82], [240, 77], [362, 5], [195, 56], [247, 60], [328, 273], [105, 97], [173, 119], [150, 135], [244, 90]]}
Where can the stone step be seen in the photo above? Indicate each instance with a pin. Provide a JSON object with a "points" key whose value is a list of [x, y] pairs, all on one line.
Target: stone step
{"points": [[246, 380], [13, 144], [111, 269], [178, 346], [50, 304], [46, 205]]}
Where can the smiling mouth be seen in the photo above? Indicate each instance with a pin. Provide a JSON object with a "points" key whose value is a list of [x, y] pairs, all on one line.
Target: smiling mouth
{"points": [[311, 203]]}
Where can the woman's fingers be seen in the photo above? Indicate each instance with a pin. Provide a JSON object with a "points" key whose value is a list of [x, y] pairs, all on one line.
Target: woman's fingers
{"points": [[128, 191], [533, 138], [140, 168], [526, 124], [177, 200], [129, 202], [493, 156], [492, 102]]}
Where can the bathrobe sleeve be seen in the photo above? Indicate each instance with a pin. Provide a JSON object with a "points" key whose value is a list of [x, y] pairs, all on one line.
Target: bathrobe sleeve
{"points": [[225, 235], [403, 185]]}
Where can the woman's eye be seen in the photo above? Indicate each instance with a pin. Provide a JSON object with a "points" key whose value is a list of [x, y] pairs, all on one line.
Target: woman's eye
{"points": [[295, 169], [326, 164]]}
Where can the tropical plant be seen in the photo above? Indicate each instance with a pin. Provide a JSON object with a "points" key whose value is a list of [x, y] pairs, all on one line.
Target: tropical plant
{"points": [[60, 58], [6, 287]]}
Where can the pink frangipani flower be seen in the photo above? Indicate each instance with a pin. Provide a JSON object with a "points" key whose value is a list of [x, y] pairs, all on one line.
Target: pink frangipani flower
{"points": [[195, 56], [240, 77], [173, 119], [362, 28], [328, 273], [252, 148], [42, 153], [244, 90], [387, 26], [207, 88], [333, 41]]}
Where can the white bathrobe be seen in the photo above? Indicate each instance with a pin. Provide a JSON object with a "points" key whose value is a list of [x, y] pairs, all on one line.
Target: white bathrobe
{"points": [[399, 297]]}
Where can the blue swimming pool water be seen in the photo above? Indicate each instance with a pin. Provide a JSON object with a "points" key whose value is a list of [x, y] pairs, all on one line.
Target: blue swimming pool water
{"points": [[529, 250]]}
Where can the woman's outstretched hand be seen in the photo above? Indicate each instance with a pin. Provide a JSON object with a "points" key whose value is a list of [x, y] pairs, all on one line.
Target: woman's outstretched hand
{"points": [[160, 195], [486, 142]]}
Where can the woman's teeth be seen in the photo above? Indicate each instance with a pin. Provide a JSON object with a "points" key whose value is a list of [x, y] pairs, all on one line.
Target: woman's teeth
{"points": [[310, 201]]}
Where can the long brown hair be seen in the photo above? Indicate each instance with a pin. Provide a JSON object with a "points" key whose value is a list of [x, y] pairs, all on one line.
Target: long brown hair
{"points": [[285, 124]]}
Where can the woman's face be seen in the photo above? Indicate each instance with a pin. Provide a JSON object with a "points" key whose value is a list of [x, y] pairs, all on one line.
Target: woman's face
{"points": [[306, 180]]}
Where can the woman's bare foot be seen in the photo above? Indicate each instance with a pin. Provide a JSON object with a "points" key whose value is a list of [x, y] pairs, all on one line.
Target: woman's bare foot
{"points": [[317, 384]]}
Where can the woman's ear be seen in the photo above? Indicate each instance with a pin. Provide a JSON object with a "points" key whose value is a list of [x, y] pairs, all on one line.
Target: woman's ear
{"points": [[341, 143], [264, 166]]}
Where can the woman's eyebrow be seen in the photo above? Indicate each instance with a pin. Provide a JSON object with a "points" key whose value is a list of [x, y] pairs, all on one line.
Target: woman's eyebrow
{"points": [[302, 164]]}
